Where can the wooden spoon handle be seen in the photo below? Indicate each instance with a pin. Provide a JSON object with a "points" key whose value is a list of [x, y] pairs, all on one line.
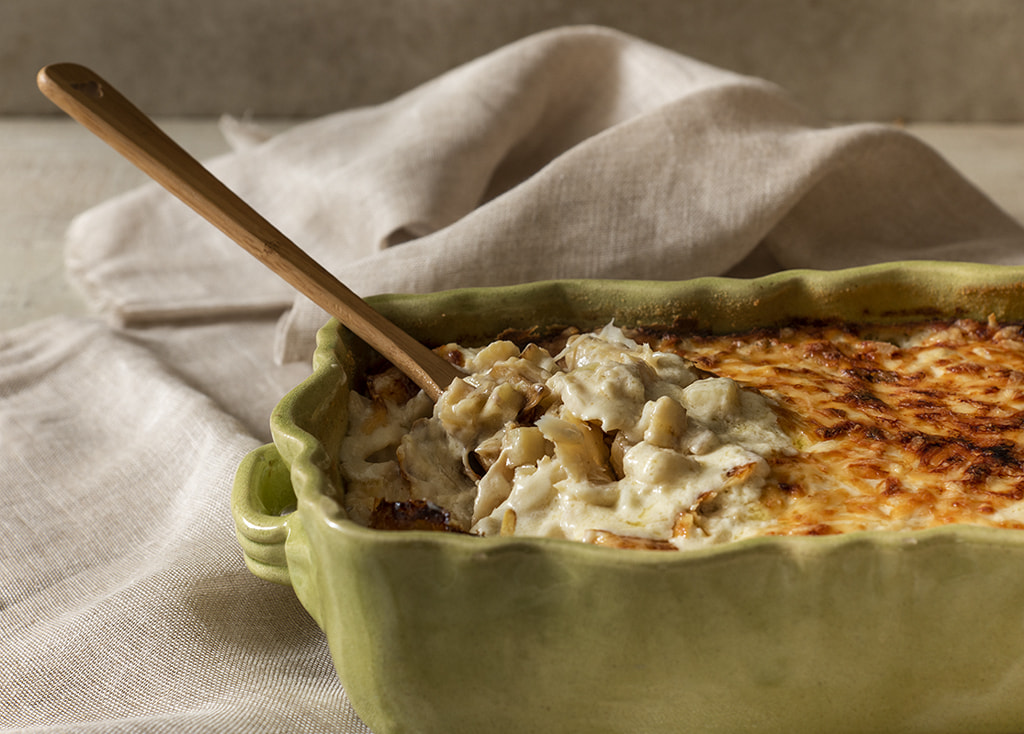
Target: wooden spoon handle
{"points": [[109, 115]]}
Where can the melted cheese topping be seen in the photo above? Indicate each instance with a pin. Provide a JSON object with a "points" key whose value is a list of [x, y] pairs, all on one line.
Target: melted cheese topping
{"points": [[896, 428], [660, 440]]}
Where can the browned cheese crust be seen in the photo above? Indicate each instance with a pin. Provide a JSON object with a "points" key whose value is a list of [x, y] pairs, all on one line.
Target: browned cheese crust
{"points": [[891, 432]]}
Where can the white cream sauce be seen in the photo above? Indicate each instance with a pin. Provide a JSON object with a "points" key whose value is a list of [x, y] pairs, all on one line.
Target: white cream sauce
{"points": [[608, 436]]}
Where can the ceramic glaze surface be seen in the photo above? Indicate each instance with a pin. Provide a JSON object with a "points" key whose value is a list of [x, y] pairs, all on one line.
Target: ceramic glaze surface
{"points": [[881, 632]]}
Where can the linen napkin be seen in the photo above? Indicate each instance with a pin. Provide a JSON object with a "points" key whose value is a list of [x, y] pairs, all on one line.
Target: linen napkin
{"points": [[579, 152], [125, 605], [124, 602]]}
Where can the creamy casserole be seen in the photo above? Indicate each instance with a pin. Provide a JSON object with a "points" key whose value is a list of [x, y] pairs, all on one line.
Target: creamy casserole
{"points": [[659, 439]]}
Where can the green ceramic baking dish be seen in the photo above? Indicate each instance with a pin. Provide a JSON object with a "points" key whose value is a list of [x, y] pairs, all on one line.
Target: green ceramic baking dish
{"points": [[437, 632]]}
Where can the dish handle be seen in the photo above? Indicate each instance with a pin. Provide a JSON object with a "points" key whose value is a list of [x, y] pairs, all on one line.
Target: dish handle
{"points": [[262, 501]]}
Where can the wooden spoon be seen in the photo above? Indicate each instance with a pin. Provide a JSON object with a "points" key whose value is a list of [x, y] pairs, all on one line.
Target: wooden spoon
{"points": [[103, 110]]}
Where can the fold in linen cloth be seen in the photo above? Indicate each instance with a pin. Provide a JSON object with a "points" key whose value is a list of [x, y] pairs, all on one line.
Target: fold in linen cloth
{"points": [[125, 605], [575, 153]]}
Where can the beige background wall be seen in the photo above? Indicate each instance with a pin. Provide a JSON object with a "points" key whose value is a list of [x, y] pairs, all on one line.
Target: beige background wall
{"points": [[936, 60]]}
